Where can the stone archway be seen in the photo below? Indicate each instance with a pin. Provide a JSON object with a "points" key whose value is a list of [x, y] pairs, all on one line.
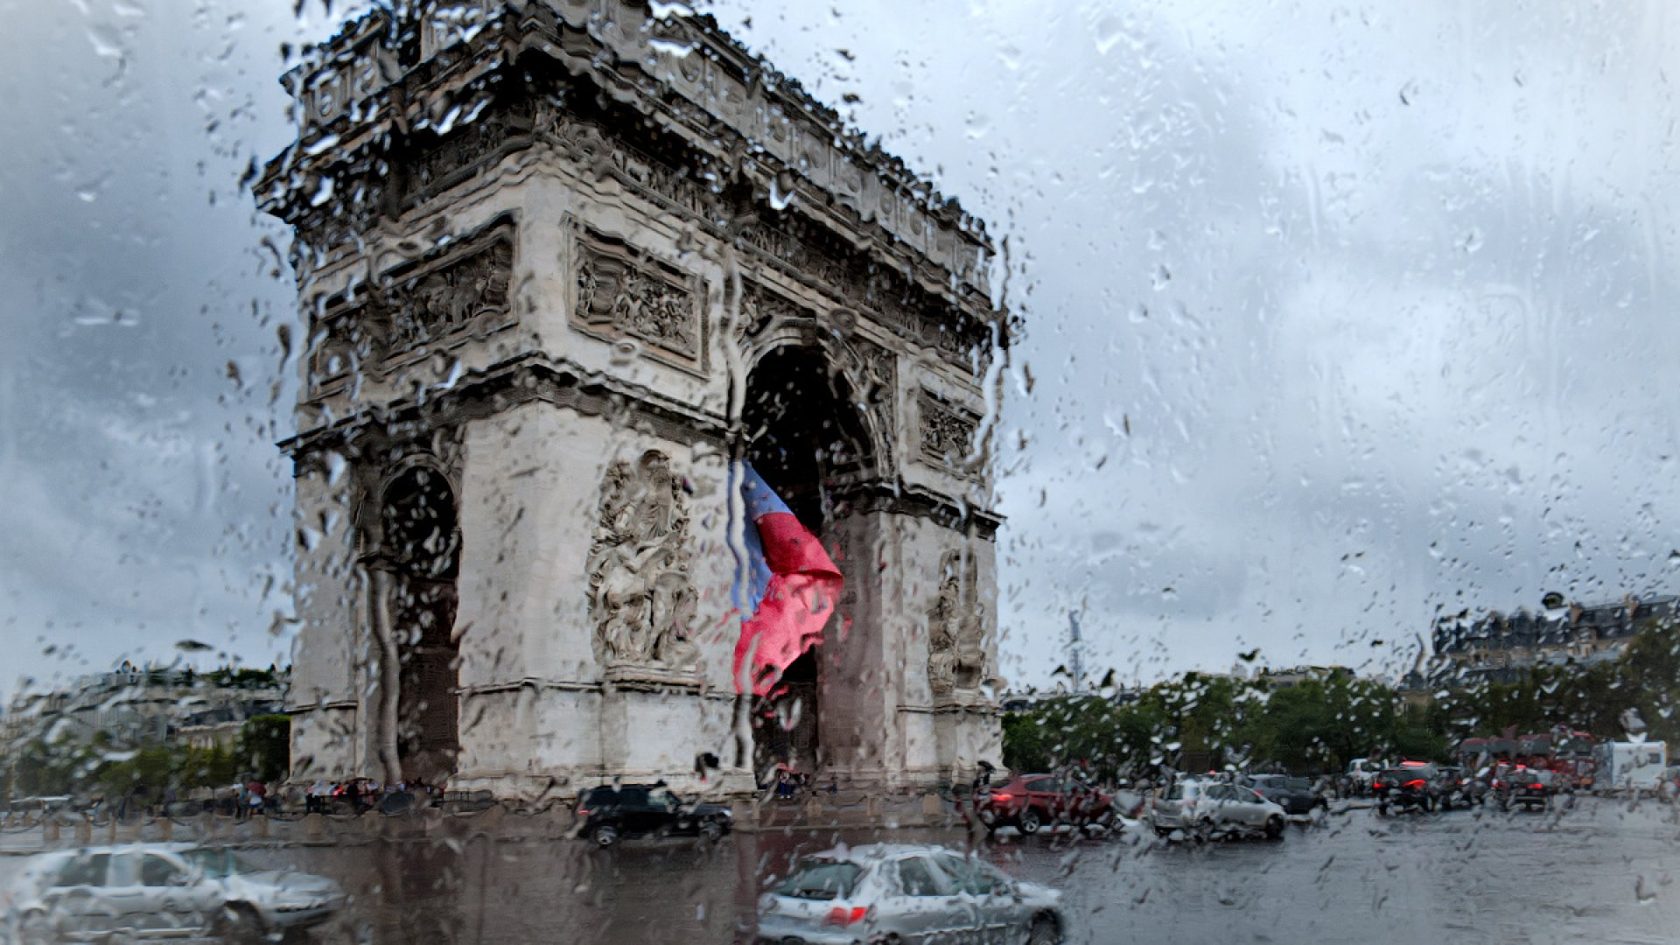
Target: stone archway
{"points": [[807, 436], [420, 557]]}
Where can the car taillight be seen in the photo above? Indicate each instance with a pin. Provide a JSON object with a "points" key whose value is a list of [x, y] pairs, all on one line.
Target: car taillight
{"points": [[1001, 797], [842, 916], [583, 812], [1537, 786], [1415, 784]]}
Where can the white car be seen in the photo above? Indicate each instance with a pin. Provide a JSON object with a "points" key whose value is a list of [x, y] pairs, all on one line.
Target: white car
{"points": [[159, 891], [907, 894], [1212, 808]]}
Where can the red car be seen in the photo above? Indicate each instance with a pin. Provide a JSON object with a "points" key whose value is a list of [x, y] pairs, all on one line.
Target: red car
{"points": [[1031, 801]]}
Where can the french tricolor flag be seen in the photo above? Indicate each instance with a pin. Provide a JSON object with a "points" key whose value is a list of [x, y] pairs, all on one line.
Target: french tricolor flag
{"points": [[791, 589]]}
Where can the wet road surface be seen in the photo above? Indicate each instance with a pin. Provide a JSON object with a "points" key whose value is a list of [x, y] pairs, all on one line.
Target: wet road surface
{"points": [[1602, 872]]}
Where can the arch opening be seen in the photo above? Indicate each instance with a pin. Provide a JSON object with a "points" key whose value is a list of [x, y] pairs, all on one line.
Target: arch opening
{"points": [[422, 551], [806, 436]]}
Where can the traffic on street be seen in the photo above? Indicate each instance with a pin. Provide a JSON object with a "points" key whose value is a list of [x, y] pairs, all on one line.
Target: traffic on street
{"points": [[1601, 870]]}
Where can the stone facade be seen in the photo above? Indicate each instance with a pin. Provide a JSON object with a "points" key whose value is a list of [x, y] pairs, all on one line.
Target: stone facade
{"points": [[542, 249]]}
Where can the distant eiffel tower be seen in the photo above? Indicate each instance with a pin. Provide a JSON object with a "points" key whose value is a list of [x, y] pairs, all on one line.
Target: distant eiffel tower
{"points": [[1076, 654]]}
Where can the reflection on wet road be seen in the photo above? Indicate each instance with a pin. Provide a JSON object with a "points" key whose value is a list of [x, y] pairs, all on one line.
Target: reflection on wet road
{"points": [[1600, 873]]}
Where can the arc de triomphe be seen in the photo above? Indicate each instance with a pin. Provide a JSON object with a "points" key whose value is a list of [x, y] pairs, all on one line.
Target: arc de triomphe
{"points": [[561, 264]]}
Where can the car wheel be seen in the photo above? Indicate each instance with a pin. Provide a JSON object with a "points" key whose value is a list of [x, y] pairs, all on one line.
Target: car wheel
{"points": [[1044, 932], [35, 929], [711, 830], [1030, 821], [1163, 831], [238, 924], [1274, 827], [605, 835]]}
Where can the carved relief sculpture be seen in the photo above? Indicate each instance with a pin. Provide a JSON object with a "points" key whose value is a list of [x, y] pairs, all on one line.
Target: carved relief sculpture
{"points": [[447, 298], [956, 637], [628, 296], [641, 599], [947, 433]]}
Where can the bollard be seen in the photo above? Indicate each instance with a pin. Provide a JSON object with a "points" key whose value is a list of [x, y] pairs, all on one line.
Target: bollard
{"points": [[314, 828], [261, 821], [111, 832], [49, 831], [84, 832], [166, 828], [872, 807]]}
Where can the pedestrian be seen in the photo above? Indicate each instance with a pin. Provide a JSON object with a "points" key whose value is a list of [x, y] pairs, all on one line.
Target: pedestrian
{"points": [[256, 797]]}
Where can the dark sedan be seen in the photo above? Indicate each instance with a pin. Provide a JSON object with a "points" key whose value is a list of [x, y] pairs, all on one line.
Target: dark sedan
{"points": [[1520, 786], [1295, 795], [609, 814], [1409, 787]]}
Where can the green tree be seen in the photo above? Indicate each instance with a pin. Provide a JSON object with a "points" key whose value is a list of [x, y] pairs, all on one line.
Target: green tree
{"points": [[265, 746]]}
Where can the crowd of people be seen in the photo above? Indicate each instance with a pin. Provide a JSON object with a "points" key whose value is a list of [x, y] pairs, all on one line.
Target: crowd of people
{"points": [[358, 795]]}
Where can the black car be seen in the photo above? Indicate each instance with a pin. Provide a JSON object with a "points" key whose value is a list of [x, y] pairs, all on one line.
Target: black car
{"points": [[1413, 787], [608, 814], [1295, 795], [1520, 786], [1461, 788]]}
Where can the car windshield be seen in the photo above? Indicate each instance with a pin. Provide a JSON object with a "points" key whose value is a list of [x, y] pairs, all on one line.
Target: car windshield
{"points": [[821, 879]]}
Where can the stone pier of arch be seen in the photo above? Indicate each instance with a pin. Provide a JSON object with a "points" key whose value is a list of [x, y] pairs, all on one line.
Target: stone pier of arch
{"points": [[555, 308]]}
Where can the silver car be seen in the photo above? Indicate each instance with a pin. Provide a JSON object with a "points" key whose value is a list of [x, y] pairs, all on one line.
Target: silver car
{"points": [[1208, 808], [907, 894], [160, 890]]}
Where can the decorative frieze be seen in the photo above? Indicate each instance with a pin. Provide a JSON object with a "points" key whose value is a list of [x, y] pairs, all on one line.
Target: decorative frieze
{"points": [[438, 163], [466, 288], [641, 596], [947, 432], [624, 293], [442, 299], [592, 148]]}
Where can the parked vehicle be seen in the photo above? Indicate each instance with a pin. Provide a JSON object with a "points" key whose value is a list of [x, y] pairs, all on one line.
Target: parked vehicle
{"points": [[1410, 787], [160, 891], [1214, 808], [1461, 788], [1295, 795], [1631, 767], [1030, 802], [1360, 773], [608, 815], [1518, 785], [906, 893]]}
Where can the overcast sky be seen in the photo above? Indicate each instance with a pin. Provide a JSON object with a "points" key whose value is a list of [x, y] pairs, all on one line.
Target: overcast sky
{"points": [[1335, 316]]}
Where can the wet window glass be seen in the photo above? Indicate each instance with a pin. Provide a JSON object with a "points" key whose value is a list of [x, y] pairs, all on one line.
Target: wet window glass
{"points": [[816, 879], [918, 877], [523, 470], [86, 870], [157, 871]]}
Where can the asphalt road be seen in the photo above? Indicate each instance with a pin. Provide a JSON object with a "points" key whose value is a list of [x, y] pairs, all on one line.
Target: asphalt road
{"points": [[1601, 872]]}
